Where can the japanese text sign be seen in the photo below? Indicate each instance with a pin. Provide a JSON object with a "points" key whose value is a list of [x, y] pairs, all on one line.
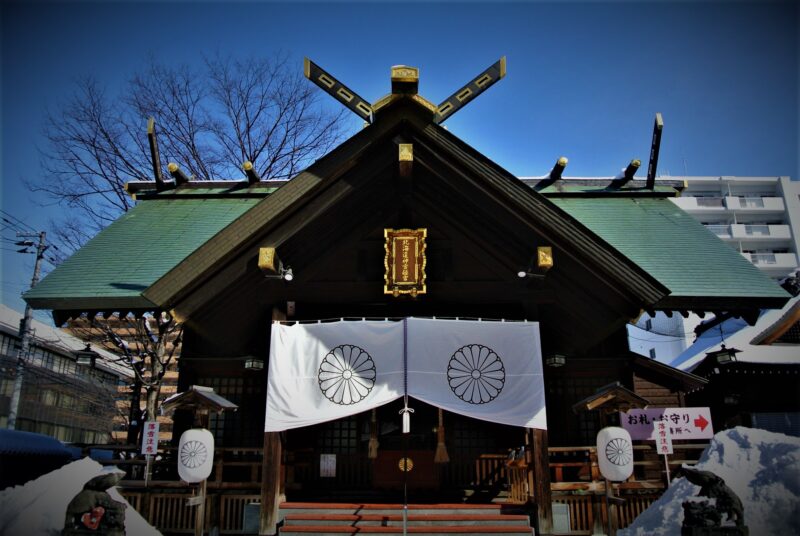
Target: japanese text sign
{"points": [[405, 261], [663, 437], [683, 423], [150, 438]]}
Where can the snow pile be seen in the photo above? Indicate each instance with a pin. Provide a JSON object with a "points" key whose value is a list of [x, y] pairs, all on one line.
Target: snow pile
{"points": [[762, 468], [39, 507]]}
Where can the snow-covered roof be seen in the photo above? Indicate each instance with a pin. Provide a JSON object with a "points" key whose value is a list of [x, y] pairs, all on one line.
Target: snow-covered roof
{"points": [[744, 338], [59, 341]]}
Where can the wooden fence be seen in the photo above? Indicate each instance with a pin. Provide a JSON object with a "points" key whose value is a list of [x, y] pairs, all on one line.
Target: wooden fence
{"points": [[168, 511], [585, 510], [235, 482]]}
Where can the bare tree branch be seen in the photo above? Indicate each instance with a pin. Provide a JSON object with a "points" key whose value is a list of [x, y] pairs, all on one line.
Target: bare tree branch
{"points": [[210, 120]]}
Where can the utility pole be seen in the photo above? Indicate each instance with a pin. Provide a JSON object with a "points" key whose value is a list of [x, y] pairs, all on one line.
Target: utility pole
{"points": [[25, 333]]}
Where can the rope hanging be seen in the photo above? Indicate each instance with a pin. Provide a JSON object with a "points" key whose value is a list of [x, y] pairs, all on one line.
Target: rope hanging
{"points": [[441, 450], [406, 411], [372, 451]]}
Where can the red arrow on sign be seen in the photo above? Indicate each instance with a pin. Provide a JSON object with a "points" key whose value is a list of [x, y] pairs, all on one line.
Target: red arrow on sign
{"points": [[701, 423]]}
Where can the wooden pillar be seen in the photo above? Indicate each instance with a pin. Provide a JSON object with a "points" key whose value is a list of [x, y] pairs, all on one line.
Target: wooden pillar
{"points": [[270, 483], [539, 479], [271, 471]]}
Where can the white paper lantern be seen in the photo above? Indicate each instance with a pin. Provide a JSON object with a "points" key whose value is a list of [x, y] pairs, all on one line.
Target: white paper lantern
{"points": [[615, 453], [195, 455]]}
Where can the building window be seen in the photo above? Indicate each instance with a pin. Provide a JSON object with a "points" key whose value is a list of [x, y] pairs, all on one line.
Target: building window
{"points": [[48, 397], [339, 437], [648, 324], [6, 345], [652, 353], [6, 386]]}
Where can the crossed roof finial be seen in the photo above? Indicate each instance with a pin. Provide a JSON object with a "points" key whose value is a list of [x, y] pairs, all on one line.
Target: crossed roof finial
{"points": [[405, 81]]}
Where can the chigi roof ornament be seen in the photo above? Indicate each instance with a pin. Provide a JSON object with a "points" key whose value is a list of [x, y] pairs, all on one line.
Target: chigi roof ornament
{"points": [[405, 81]]}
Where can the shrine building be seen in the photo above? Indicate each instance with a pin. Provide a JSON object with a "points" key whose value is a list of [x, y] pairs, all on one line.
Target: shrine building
{"points": [[398, 255]]}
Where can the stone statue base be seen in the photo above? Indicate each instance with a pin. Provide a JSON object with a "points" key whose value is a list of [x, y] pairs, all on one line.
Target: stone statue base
{"points": [[701, 518], [93, 511]]}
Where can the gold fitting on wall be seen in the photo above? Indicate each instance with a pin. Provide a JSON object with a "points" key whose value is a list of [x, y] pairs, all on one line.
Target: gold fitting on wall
{"points": [[406, 152], [268, 260], [544, 257]]}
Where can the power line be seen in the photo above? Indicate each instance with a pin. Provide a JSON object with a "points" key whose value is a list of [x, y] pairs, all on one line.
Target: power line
{"points": [[17, 220]]}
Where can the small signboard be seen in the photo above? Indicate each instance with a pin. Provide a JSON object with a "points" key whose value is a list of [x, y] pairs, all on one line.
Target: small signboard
{"points": [[327, 465], [150, 438], [405, 261], [663, 437], [683, 423]]}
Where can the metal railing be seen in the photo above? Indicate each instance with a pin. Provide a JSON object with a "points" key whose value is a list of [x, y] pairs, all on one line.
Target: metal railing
{"points": [[710, 202], [719, 229], [763, 258], [757, 229], [751, 202]]}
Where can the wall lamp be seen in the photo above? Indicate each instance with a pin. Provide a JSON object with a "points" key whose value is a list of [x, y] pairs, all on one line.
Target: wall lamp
{"points": [[253, 363], [543, 261], [86, 357], [272, 266], [724, 355], [555, 360]]}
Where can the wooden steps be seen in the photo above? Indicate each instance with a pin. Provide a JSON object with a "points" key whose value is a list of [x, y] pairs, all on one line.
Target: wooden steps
{"points": [[423, 519]]}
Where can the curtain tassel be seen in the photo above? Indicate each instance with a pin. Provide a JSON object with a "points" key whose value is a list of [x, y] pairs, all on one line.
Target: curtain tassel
{"points": [[406, 413], [372, 452], [441, 450]]}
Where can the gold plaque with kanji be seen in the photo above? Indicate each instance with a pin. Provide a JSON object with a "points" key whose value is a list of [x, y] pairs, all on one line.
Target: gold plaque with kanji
{"points": [[405, 261]]}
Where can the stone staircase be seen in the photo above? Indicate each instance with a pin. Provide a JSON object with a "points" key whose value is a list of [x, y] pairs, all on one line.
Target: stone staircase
{"points": [[336, 519]]}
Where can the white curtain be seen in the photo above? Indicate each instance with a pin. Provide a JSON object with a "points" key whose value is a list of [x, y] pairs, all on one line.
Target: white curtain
{"points": [[326, 371], [322, 372], [485, 370]]}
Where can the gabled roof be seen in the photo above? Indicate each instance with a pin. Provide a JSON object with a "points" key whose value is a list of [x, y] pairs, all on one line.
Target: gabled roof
{"points": [[611, 398], [172, 243], [197, 397]]}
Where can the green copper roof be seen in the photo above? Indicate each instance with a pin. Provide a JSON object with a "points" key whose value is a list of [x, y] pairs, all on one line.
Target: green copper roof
{"points": [[671, 246], [132, 253]]}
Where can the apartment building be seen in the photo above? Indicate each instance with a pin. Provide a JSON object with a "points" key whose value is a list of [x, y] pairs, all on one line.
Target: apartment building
{"points": [[61, 398], [758, 216]]}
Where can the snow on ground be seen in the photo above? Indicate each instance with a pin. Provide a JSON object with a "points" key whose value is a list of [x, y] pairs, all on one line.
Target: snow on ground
{"points": [[39, 507], [762, 468]]}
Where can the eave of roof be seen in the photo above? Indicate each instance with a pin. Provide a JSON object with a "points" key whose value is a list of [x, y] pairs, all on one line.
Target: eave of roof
{"points": [[697, 267], [747, 341], [114, 269]]}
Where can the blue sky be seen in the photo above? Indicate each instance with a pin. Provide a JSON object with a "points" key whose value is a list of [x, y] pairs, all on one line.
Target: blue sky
{"points": [[584, 79]]}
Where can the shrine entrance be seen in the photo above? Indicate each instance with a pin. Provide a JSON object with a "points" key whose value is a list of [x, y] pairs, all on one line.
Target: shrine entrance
{"points": [[331, 461]]}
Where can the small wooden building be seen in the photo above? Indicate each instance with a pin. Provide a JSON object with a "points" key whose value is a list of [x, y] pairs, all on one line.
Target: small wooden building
{"points": [[608, 251]]}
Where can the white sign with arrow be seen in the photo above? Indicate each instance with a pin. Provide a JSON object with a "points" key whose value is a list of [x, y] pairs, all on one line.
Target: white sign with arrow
{"points": [[684, 423]]}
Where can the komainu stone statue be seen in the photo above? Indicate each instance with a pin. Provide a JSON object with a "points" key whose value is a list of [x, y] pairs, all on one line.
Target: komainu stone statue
{"points": [[701, 518], [93, 511]]}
